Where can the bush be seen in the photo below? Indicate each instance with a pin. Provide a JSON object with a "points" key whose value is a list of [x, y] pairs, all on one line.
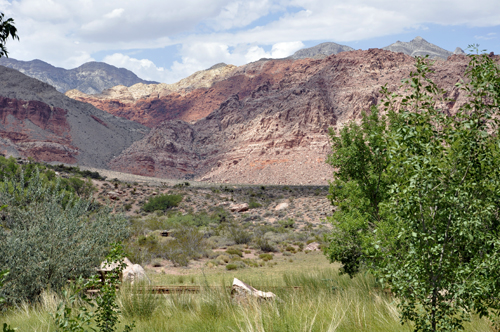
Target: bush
{"points": [[188, 244], [46, 240], [231, 267], [253, 204], [265, 246], [234, 252], [162, 202], [266, 257]]}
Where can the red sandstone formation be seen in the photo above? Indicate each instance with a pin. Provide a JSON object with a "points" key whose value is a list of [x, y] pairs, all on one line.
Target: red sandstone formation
{"points": [[268, 121]]}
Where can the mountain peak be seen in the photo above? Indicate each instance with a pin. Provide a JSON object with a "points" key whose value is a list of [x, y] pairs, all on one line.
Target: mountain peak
{"points": [[419, 47]]}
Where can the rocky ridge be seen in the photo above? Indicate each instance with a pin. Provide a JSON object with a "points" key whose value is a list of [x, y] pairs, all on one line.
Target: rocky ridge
{"points": [[421, 47], [39, 122], [90, 78], [273, 125], [150, 104], [320, 51]]}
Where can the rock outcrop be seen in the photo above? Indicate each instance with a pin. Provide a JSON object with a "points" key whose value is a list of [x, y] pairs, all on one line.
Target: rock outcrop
{"points": [[421, 47], [151, 104], [320, 51], [39, 122], [267, 122], [91, 77]]}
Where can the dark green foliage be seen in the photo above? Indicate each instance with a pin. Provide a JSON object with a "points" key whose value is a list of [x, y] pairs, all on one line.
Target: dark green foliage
{"points": [[7, 29], [48, 237], [417, 198], [162, 202], [254, 204], [106, 313]]}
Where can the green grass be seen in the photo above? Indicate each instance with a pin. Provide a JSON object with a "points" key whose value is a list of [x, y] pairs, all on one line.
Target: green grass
{"points": [[326, 301]]}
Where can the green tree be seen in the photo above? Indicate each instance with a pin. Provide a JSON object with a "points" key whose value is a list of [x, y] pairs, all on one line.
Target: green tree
{"points": [[46, 238], [7, 29], [433, 236]]}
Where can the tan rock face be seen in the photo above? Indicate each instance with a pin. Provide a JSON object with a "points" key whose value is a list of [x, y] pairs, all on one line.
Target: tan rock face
{"points": [[150, 104], [270, 125]]}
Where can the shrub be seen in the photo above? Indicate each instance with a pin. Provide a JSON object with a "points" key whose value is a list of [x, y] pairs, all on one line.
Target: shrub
{"points": [[265, 246], [188, 244], [48, 237], [266, 257], [162, 202], [253, 204], [231, 266], [234, 252]]}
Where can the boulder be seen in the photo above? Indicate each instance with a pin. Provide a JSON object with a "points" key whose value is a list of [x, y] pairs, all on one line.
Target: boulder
{"points": [[242, 292], [131, 273], [134, 273], [281, 206], [312, 246], [238, 207]]}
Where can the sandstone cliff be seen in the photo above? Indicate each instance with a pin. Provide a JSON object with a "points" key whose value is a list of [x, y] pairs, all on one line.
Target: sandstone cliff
{"points": [[267, 122], [91, 77], [38, 121], [150, 104]]}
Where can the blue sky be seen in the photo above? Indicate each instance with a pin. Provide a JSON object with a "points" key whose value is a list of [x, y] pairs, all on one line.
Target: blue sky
{"points": [[169, 40]]}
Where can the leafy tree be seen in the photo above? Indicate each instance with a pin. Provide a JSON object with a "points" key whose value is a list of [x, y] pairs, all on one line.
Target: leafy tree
{"points": [[46, 240], [427, 221], [7, 29]]}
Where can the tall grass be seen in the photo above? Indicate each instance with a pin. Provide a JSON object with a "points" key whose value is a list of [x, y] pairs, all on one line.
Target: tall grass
{"points": [[325, 301]]}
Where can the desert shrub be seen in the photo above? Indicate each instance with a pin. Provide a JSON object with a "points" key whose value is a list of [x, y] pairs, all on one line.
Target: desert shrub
{"points": [[188, 244], [231, 267], [253, 204], [48, 237], [290, 249], [238, 234], [162, 202], [234, 252], [264, 245], [266, 257], [290, 223]]}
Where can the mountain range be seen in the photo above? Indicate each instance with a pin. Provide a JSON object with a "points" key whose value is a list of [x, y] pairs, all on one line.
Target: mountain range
{"points": [[90, 78], [263, 122], [38, 121]]}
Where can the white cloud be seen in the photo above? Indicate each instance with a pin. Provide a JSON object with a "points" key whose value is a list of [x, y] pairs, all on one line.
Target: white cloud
{"points": [[491, 35], [115, 13], [143, 68], [67, 33]]}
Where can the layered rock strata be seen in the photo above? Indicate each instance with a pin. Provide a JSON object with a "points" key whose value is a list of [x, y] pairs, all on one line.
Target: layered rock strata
{"points": [[272, 128], [39, 122]]}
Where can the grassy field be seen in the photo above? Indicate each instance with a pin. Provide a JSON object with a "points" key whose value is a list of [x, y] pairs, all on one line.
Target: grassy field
{"points": [[326, 301]]}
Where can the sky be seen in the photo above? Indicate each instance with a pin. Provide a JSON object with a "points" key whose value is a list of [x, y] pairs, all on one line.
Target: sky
{"points": [[167, 40]]}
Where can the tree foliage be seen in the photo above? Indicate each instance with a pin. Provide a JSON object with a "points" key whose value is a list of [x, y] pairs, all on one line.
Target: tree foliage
{"points": [[7, 29], [48, 237], [418, 197]]}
